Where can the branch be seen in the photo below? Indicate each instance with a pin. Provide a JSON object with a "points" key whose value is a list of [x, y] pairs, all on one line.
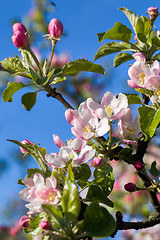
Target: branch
{"points": [[121, 225]]}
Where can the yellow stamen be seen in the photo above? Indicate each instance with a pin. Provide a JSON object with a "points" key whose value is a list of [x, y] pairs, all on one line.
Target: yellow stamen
{"points": [[108, 110], [87, 129], [142, 77]]}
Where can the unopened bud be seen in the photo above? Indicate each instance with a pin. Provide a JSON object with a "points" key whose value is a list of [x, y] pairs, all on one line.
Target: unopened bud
{"points": [[153, 13], [45, 225], [55, 28], [96, 162], [19, 27], [24, 142], [20, 39], [139, 166], [130, 187], [24, 221]]}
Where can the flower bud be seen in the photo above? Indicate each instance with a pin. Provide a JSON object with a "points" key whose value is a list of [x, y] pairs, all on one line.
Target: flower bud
{"points": [[24, 221], [139, 166], [153, 13], [24, 142], [19, 27], [20, 39], [45, 225], [55, 28], [130, 187], [96, 162]]}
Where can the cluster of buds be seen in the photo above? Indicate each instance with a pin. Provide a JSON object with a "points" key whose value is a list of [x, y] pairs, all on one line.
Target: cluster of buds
{"points": [[153, 13], [20, 36]]}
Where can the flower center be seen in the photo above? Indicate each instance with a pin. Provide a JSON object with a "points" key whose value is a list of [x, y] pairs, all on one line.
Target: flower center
{"points": [[87, 129], [108, 110], [48, 195], [142, 77], [130, 130]]}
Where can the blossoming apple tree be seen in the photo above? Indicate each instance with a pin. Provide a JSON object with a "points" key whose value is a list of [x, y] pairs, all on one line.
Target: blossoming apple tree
{"points": [[70, 195]]}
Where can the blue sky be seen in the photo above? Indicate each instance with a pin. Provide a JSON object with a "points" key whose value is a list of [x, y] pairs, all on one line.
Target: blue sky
{"points": [[82, 20]]}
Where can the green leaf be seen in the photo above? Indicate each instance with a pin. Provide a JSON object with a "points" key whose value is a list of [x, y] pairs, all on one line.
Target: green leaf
{"points": [[130, 15], [27, 59], [39, 81], [153, 170], [82, 172], [20, 181], [54, 213], [58, 79], [109, 48], [121, 58], [147, 92], [126, 155], [29, 100], [149, 120], [118, 32], [32, 171], [71, 204], [95, 193], [38, 154], [143, 25], [98, 222], [74, 67], [156, 41], [142, 37], [100, 36], [12, 87], [134, 99], [70, 173], [34, 228], [13, 64]]}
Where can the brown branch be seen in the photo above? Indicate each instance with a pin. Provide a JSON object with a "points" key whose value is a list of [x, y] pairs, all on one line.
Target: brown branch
{"points": [[121, 225]]}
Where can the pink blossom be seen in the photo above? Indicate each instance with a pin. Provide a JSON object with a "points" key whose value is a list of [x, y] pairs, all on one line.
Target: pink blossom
{"points": [[96, 162], [39, 191], [128, 130], [20, 39], [153, 79], [24, 221], [153, 12], [19, 27], [111, 108], [25, 142], [45, 224], [139, 57], [55, 28]]}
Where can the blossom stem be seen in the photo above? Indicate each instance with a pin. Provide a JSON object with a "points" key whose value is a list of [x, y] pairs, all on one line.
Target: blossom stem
{"points": [[110, 136], [54, 41], [36, 61]]}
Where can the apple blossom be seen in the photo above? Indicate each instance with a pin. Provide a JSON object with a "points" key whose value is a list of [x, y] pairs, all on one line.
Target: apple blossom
{"points": [[153, 12], [96, 162], [20, 39], [111, 107], [25, 142], [19, 27], [130, 187], [39, 191], [45, 225], [24, 221], [55, 28], [128, 130], [139, 57]]}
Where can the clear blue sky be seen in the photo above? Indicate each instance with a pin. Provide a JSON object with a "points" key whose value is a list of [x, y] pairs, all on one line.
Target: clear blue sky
{"points": [[81, 20]]}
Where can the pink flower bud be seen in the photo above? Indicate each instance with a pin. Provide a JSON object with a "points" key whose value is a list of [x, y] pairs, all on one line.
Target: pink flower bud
{"points": [[24, 221], [45, 225], [55, 28], [24, 142], [58, 142], [19, 27], [20, 39], [139, 166], [139, 57], [130, 187], [153, 12], [96, 162]]}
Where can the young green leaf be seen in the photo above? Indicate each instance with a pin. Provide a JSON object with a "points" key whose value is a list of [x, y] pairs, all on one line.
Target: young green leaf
{"points": [[13, 64], [143, 25], [38, 154], [111, 47], [28, 100], [121, 58], [74, 67], [134, 99], [54, 213], [149, 120], [71, 203], [99, 224], [153, 170], [58, 79], [119, 32], [95, 193], [130, 15], [12, 87]]}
